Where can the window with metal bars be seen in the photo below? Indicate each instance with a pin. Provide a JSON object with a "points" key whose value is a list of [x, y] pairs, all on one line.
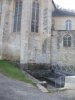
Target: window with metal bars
{"points": [[35, 16], [67, 41], [17, 16]]}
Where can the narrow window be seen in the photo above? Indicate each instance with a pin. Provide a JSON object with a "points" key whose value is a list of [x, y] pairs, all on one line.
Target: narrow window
{"points": [[35, 16], [68, 25], [0, 7], [17, 17], [44, 46], [67, 41], [1, 3]]}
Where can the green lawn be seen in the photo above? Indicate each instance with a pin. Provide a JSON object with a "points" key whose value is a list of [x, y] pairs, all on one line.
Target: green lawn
{"points": [[10, 70]]}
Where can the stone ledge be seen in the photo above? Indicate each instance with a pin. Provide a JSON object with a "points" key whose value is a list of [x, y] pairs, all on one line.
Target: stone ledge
{"points": [[42, 88]]}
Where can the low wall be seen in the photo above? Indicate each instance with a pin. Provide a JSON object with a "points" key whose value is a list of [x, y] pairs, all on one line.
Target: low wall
{"points": [[69, 82]]}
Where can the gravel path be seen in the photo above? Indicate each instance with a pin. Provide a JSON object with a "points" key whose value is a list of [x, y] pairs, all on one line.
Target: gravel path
{"points": [[16, 90]]}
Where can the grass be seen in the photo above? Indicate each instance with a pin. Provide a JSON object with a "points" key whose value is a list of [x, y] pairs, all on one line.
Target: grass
{"points": [[10, 70]]}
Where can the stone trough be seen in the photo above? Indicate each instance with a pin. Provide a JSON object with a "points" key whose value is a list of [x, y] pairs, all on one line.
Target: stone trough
{"points": [[66, 82], [56, 80]]}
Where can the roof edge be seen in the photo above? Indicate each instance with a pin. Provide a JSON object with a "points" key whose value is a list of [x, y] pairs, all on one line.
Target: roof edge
{"points": [[54, 4]]}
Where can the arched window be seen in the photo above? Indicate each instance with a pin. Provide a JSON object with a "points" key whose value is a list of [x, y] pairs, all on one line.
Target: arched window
{"points": [[67, 41], [68, 25], [35, 16], [17, 16]]}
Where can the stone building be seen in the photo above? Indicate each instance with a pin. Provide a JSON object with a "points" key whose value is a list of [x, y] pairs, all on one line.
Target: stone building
{"points": [[63, 38], [35, 31]]}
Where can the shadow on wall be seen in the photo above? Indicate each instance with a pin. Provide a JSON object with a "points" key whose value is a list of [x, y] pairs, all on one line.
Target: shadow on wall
{"points": [[40, 66]]}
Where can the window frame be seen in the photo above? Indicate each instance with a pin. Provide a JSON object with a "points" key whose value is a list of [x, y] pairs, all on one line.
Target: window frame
{"points": [[68, 24], [35, 16], [17, 16], [67, 41]]}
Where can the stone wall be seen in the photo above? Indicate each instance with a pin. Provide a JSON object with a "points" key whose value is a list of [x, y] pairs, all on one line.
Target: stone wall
{"points": [[62, 56], [32, 52], [44, 47], [10, 40]]}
